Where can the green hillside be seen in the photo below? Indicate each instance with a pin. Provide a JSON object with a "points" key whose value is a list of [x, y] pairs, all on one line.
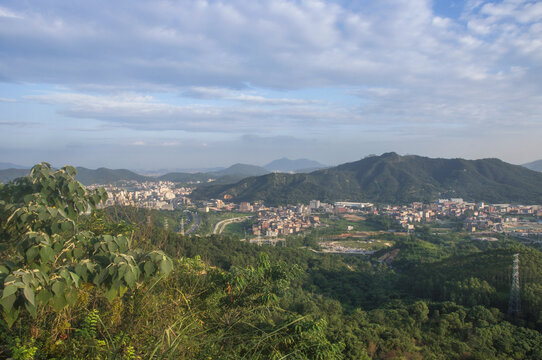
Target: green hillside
{"points": [[107, 176], [10, 174], [391, 178]]}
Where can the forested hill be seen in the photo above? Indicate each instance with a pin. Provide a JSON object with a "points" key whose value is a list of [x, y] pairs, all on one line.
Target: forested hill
{"points": [[391, 178], [107, 176]]}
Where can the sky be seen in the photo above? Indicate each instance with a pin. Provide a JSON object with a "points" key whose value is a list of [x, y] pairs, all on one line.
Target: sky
{"points": [[144, 84]]}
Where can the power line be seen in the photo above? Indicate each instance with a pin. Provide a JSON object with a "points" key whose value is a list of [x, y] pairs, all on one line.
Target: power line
{"points": [[514, 306]]}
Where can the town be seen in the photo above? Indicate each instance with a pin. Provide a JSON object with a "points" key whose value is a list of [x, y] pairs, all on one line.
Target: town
{"points": [[517, 220]]}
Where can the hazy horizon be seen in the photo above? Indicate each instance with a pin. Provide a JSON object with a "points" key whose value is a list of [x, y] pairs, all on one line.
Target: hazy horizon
{"points": [[201, 84]]}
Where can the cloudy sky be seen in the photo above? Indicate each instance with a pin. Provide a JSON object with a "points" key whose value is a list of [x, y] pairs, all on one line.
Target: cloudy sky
{"points": [[181, 84]]}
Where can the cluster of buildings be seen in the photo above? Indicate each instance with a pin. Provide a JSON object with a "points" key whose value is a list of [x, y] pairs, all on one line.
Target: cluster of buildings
{"points": [[160, 195], [285, 220], [478, 216], [270, 221]]}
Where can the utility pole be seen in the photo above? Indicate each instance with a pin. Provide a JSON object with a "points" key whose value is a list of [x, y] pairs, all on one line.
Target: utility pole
{"points": [[514, 306]]}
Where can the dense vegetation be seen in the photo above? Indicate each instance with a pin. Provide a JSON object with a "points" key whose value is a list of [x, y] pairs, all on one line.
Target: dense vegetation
{"points": [[104, 284], [391, 178]]}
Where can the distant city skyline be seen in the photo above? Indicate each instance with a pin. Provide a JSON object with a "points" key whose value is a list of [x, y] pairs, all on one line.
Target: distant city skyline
{"points": [[201, 84]]}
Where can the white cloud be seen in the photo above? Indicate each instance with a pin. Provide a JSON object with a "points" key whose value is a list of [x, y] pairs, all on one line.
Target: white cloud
{"points": [[235, 95], [146, 113], [408, 67], [6, 13]]}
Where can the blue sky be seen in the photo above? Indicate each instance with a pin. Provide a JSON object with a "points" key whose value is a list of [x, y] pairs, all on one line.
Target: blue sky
{"points": [[184, 84]]}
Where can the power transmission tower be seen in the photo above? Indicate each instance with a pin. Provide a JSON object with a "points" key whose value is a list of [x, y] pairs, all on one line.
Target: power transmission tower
{"points": [[514, 306], [166, 225], [182, 224]]}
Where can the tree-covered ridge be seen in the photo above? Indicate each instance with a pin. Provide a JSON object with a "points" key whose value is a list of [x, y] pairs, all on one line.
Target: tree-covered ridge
{"points": [[391, 178]]}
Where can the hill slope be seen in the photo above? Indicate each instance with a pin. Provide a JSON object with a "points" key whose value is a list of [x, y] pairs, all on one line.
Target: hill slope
{"points": [[391, 178], [6, 175], [107, 176], [535, 165]]}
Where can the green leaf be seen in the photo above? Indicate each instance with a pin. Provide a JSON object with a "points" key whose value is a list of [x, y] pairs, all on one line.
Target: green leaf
{"points": [[32, 253], [43, 297], [165, 266], [10, 317], [59, 287], [81, 271], [29, 295], [32, 309], [75, 278], [46, 254], [73, 188], [7, 302], [59, 302], [65, 274], [122, 270], [67, 226], [130, 278], [9, 290], [4, 270], [43, 215], [78, 252], [71, 296], [149, 269]]}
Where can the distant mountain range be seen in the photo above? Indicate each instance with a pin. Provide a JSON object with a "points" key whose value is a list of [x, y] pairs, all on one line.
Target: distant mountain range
{"points": [[299, 165], [228, 175], [535, 165], [391, 178], [8, 165], [108, 176], [84, 175], [7, 175]]}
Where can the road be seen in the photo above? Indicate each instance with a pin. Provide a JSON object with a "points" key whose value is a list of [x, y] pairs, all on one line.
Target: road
{"points": [[221, 225], [196, 221]]}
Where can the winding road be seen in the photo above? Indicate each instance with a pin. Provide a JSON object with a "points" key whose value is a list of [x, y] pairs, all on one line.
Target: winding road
{"points": [[221, 225]]}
